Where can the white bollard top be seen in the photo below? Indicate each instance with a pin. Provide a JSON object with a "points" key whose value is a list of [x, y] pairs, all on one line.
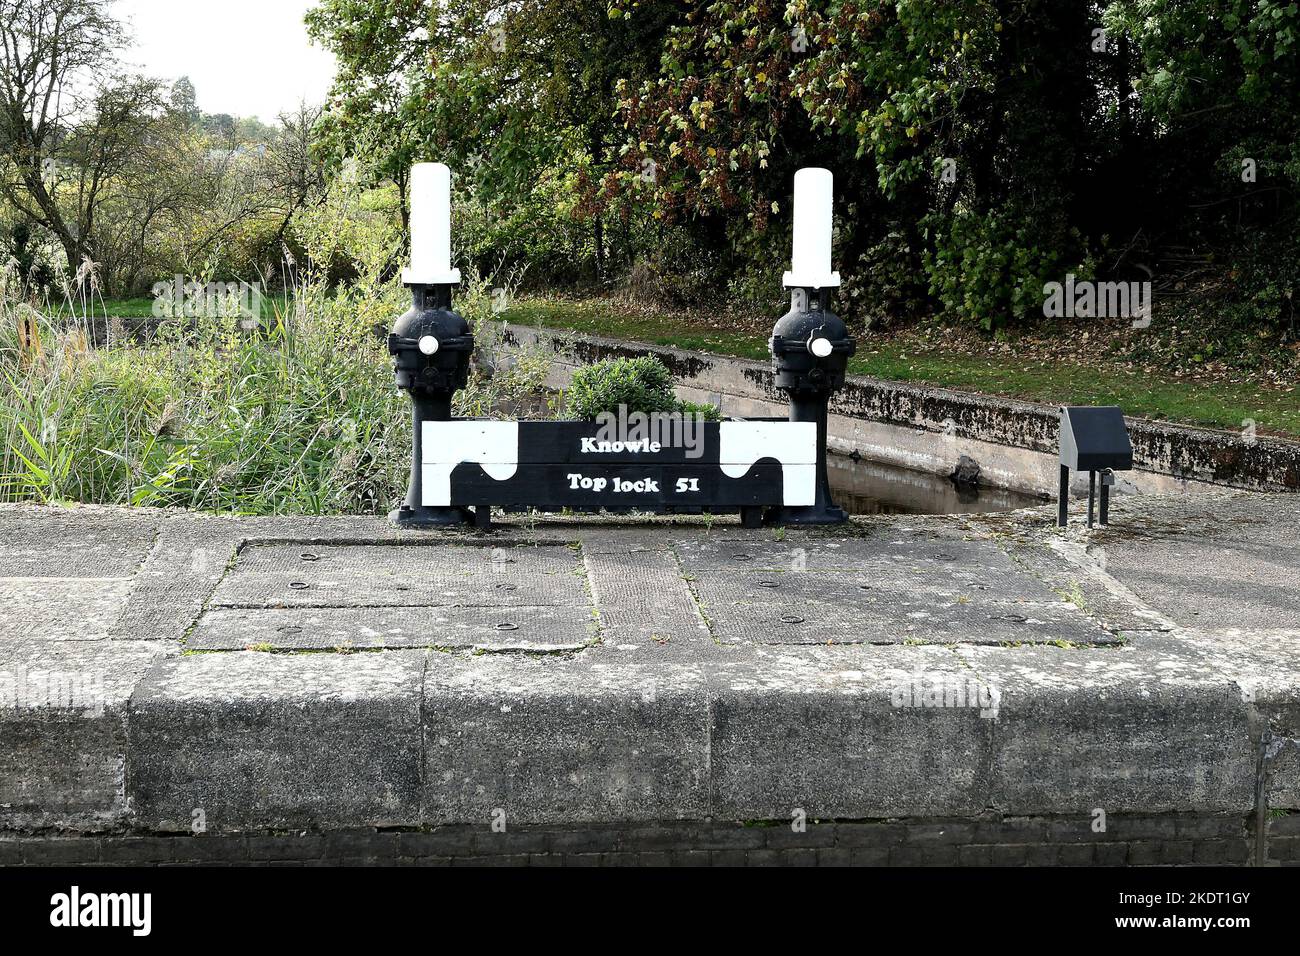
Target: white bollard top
{"points": [[814, 189], [431, 227]]}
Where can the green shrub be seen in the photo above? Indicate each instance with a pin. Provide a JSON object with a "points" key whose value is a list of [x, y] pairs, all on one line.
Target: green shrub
{"points": [[640, 384], [709, 413], [990, 268], [885, 283]]}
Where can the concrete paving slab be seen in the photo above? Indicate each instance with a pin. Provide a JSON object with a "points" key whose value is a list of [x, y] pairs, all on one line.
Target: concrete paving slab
{"points": [[900, 622], [946, 555], [1232, 562], [871, 586], [62, 609], [643, 596], [886, 607], [83, 542], [1111, 730], [519, 628], [628, 541], [74, 543], [845, 732], [1076, 570], [306, 575], [1211, 581], [1264, 666], [567, 740], [188, 559]]}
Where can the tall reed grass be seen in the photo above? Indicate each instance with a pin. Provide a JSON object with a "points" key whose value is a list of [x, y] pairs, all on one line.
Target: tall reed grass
{"points": [[298, 416]]}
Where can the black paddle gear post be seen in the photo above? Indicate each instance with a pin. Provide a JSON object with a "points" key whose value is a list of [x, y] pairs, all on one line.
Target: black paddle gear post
{"points": [[431, 346], [810, 349], [810, 345]]}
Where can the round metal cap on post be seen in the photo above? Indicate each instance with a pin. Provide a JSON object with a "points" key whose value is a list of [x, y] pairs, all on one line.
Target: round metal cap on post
{"points": [[431, 344], [810, 345]]}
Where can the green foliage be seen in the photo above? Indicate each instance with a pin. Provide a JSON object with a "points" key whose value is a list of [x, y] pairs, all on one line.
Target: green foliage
{"points": [[638, 384], [979, 148], [298, 416], [518, 98], [951, 115], [886, 282], [1267, 275], [708, 412], [537, 229], [990, 268]]}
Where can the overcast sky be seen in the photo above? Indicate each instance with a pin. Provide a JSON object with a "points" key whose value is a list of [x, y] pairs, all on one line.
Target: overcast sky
{"points": [[245, 57]]}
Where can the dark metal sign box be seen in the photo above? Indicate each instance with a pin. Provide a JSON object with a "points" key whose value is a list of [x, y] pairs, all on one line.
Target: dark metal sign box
{"points": [[1095, 438]]}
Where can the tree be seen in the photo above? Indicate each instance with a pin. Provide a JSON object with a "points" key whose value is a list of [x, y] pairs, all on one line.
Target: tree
{"points": [[250, 129], [184, 99], [892, 95], [510, 90], [369, 119], [219, 126], [100, 154], [47, 49], [32, 271], [292, 172]]}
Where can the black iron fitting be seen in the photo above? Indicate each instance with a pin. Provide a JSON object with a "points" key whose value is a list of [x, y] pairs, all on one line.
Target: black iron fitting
{"points": [[780, 345], [810, 348], [452, 343], [432, 379]]}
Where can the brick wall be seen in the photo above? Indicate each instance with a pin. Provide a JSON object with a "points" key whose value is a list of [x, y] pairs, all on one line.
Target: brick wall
{"points": [[1168, 839]]}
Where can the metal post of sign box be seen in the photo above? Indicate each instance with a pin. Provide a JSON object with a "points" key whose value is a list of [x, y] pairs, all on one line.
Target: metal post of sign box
{"points": [[1063, 497], [1092, 494]]}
